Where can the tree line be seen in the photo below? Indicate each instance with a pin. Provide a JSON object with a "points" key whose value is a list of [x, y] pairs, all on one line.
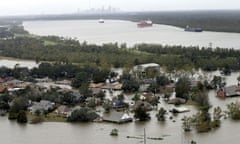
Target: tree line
{"points": [[70, 51]]}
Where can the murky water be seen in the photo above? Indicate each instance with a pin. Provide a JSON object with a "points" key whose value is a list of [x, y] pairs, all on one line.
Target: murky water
{"points": [[92, 133]]}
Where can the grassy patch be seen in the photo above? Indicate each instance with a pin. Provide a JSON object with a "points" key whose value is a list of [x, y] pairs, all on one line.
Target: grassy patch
{"points": [[51, 117], [49, 43], [190, 102], [25, 35]]}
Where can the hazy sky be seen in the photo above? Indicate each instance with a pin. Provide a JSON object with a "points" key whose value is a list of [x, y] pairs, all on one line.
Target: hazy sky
{"points": [[26, 7]]}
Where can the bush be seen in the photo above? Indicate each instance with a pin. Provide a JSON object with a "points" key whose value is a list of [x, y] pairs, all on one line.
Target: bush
{"points": [[83, 115], [12, 115], [22, 117], [141, 114], [36, 120]]}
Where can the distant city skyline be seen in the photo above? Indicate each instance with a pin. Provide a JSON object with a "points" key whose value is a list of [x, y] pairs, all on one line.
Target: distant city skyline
{"points": [[32, 7]]}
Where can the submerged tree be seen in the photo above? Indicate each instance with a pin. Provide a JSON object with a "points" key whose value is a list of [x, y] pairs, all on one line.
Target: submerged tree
{"points": [[161, 114], [22, 117], [141, 113], [82, 115], [183, 87], [234, 110], [217, 114], [202, 121], [187, 122]]}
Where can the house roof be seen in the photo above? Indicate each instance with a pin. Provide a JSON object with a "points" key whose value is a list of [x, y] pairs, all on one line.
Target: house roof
{"points": [[42, 105], [233, 90], [147, 96], [12, 82], [117, 117], [175, 100], [64, 82], [118, 104], [181, 109], [63, 109], [115, 86], [96, 85], [144, 104], [143, 67], [2, 88]]}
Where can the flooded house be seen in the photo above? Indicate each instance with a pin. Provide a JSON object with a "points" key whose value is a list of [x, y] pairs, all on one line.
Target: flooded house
{"points": [[117, 117], [229, 91]]}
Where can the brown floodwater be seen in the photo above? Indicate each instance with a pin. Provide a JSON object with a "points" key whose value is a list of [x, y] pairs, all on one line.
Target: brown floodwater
{"points": [[92, 133]]}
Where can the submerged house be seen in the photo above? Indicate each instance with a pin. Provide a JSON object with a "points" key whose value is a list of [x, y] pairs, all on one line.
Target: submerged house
{"points": [[41, 107], [63, 111], [177, 101], [229, 91], [179, 110], [117, 117], [147, 106], [119, 104]]}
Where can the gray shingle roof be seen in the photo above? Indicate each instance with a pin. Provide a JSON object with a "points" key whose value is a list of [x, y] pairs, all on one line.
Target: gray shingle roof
{"points": [[117, 117]]}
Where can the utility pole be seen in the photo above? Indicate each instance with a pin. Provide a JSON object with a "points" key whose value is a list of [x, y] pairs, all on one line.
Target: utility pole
{"points": [[144, 136]]}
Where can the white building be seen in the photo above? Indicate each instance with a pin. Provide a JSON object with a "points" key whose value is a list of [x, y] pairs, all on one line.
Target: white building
{"points": [[140, 70]]}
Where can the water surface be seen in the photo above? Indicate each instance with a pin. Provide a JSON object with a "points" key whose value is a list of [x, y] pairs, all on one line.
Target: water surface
{"points": [[127, 32]]}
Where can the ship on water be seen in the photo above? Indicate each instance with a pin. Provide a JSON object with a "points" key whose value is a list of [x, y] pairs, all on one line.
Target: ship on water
{"points": [[192, 29], [101, 21], [146, 23]]}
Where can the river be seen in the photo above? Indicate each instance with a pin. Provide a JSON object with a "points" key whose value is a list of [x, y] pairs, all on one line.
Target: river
{"points": [[127, 32]]}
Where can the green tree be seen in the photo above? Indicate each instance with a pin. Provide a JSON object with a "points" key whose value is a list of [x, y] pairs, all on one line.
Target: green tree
{"points": [[136, 61], [153, 88], [107, 105], [22, 117], [187, 122], [161, 114], [100, 75], [84, 90], [79, 79], [83, 115], [233, 110], [202, 121], [136, 97], [217, 114], [141, 114], [182, 87], [216, 81], [202, 100], [20, 103], [167, 96], [162, 80], [120, 97], [130, 86], [12, 115], [92, 103]]}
